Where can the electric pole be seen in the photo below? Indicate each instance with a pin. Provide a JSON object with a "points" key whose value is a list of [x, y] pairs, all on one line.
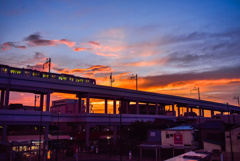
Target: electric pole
{"points": [[196, 89], [237, 98], [48, 61], [135, 77], [111, 79]]}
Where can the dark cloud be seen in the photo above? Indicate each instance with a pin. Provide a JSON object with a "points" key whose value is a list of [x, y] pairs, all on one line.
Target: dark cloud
{"points": [[89, 71], [36, 40], [9, 45], [39, 56], [163, 80]]}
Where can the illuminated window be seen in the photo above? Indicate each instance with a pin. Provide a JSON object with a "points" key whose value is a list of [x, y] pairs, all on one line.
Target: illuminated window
{"points": [[45, 75], [53, 76], [71, 79], [35, 74], [79, 80], [15, 71], [62, 78], [87, 81], [4, 70], [27, 73]]}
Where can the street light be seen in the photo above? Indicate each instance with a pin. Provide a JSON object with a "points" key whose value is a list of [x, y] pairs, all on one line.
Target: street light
{"points": [[237, 98]]}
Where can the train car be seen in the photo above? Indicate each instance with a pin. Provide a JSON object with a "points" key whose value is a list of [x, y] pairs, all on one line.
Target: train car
{"points": [[34, 73]]}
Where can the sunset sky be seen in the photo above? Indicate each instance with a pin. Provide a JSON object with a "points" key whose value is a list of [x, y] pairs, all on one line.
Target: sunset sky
{"points": [[173, 46]]}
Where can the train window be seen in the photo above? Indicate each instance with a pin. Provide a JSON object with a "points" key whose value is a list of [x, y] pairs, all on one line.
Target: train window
{"points": [[71, 79], [45, 75], [53, 76], [62, 78], [35, 74], [79, 80], [26, 73], [15, 71], [87, 81], [4, 70]]}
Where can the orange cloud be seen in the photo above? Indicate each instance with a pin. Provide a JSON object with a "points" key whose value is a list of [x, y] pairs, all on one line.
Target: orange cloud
{"points": [[66, 42], [79, 49]]}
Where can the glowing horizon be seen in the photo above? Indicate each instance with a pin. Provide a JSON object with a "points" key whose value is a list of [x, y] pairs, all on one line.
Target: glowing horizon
{"points": [[173, 47]]}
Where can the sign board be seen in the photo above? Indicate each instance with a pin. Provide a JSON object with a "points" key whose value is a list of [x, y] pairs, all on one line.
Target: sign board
{"points": [[178, 139]]}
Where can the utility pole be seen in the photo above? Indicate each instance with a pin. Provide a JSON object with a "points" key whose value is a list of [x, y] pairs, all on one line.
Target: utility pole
{"points": [[199, 116], [135, 77], [196, 89], [48, 61], [111, 79], [237, 98], [230, 133]]}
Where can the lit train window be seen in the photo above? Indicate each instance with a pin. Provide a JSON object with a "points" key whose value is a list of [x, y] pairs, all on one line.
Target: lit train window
{"points": [[79, 80], [71, 79], [87, 81], [35, 74], [45, 75], [4, 70], [27, 73], [53, 76], [15, 71], [62, 78]]}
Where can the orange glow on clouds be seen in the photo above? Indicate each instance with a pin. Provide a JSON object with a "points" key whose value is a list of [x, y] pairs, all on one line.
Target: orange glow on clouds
{"points": [[66, 42], [79, 49]]}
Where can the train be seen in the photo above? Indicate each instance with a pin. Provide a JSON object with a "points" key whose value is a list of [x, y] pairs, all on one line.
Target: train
{"points": [[35, 73]]}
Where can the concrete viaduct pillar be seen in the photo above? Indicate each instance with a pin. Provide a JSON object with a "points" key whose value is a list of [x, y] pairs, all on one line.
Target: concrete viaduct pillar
{"points": [[2, 99], [173, 110], [114, 106], [6, 101], [212, 112], [106, 106], [87, 102], [187, 110]]}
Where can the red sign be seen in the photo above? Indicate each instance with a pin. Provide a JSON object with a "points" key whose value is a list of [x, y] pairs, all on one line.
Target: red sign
{"points": [[178, 139]]}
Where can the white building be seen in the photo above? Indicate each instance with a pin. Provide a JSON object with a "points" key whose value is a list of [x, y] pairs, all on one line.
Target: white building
{"points": [[178, 136]]}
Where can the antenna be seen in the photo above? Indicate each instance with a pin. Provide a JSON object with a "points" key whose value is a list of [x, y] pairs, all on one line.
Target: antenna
{"points": [[48, 61], [111, 79]]}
